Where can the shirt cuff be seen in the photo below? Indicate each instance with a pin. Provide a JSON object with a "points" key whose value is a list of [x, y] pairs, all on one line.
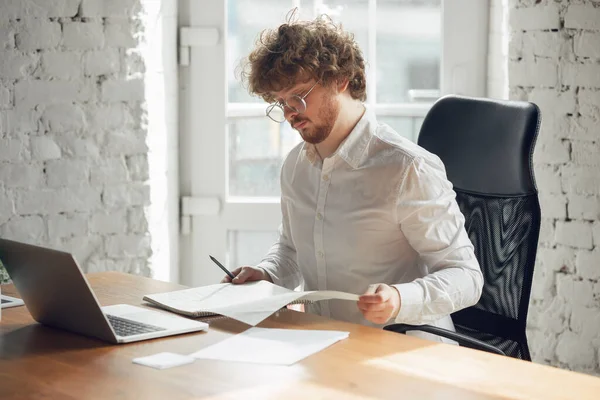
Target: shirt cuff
{"points": [[411, 303]]}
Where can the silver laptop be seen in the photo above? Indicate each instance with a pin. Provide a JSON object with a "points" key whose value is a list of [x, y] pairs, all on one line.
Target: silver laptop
{"points": [[57, 294]]}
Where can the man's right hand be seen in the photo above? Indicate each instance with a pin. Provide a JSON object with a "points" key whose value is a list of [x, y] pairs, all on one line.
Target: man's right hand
{"points": [[247, 274]]}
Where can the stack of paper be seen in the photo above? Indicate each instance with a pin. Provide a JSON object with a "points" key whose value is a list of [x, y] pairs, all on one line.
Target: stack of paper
{"points": [[250, 302], [271, 346]]}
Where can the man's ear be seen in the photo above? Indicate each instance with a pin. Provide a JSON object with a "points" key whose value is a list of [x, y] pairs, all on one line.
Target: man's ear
{"points": [[342, 85]]}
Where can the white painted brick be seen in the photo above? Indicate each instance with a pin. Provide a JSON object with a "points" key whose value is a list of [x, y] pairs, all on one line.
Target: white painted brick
{"points": [[574, 233], [534, 18], [109, 222], [128, 246], [107, 8], [54, 201], [575, 291], [555, 125], [5, 98], [67, 172], [32, 93], [515, 45], [574, 352], [135, 65], [35, 34], [67, 225], [63, 117], [13, 9], [587, 75], [44, 148], [102, 62], [584, 128], [553, 101], [140, 266], [83, 35], [107, 264], [596, 233], [554, 315], [585, 153], [108, 116], [585, 322], [28, 229], [582, 17], [137, 219], [580, 180], [12, 150], [553, 205], [583, 207], [7, 206], [542, 345], [62, 65], [587, 44], [548, 178], [74, 145], [588, 265], [559, 259], [123, 90], [15, 65], [7, 35], [547, 232], [21, 175], [109, 170], [125, 142], [589, 103], [541, 72], [132, 194], [546, 44], [22, 120], [84, 248], [138, 167], [553, 151], [542, 284], [117, 32]]}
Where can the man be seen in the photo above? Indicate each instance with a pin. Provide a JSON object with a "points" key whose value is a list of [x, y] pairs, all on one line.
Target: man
{"points": [[364, 210]]}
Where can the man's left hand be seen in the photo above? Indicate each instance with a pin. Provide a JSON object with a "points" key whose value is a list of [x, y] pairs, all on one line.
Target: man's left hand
{"points": [[380, 303]]}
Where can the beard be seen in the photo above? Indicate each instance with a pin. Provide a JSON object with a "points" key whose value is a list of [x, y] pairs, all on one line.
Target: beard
{"points": [[328, 114]]}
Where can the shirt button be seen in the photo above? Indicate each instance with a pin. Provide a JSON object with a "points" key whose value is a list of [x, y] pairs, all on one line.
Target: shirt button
{"points": [[319, 216], [321, 254], [325, 177]]}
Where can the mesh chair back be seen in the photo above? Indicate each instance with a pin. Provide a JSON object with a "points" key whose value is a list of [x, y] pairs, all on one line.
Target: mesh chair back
{"points": [[487, 148]]}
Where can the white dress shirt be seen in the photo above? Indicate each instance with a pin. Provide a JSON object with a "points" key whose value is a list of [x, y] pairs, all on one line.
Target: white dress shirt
{"points": [[378, 210]]}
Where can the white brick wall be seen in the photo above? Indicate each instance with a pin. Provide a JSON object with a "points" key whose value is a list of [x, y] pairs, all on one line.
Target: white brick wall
{"points": [[73, 153], [554, 61]]}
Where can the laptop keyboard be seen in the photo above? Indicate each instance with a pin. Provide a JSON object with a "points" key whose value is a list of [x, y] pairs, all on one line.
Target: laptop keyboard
{"points": [[127, 327]]}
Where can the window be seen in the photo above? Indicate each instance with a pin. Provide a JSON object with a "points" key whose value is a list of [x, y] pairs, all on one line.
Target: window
{"points": [[401, 42]]}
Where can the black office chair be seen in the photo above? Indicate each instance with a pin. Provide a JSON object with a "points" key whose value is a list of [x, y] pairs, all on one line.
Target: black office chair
{"points": [[487, 148]]}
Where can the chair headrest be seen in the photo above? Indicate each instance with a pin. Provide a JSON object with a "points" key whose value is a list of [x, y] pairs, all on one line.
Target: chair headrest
{"points": [[486, 145]]}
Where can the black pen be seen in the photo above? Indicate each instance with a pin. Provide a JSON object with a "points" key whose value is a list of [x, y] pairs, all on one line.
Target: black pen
{"points": [[222, 267]]}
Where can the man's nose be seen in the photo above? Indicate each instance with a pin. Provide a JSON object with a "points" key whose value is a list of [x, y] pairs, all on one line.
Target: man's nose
{"points": [[289, 113]]}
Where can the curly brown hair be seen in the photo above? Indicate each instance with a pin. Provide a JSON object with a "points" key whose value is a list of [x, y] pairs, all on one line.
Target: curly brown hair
{"points": [[298, 51]]}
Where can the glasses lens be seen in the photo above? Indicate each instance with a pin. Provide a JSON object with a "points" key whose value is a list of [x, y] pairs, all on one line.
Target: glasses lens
{"points": [[275, 112], [296, 103]]}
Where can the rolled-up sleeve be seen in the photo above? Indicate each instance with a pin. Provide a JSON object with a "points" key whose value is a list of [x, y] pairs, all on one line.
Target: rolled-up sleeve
{"points": [[433, 224]]}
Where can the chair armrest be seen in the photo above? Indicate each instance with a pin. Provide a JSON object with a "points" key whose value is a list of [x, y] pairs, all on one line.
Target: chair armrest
{"points": [[462, 339]]}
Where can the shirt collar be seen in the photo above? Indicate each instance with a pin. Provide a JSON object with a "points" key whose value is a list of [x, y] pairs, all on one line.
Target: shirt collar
{"points": [[353, 147]]}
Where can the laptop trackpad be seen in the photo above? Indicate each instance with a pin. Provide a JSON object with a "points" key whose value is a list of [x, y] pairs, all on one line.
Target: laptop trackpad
{"points": [[151, 317]]}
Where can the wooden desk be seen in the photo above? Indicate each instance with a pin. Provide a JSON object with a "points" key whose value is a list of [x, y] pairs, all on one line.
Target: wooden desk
{"points": [[40, 362]]}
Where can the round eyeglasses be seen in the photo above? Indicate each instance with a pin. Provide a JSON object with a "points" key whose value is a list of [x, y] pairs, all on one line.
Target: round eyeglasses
{"points": [[294, 102]]}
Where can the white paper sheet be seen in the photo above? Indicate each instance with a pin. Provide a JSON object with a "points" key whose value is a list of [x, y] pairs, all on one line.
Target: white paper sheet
{"points": [[250, 303], [271, 346]]}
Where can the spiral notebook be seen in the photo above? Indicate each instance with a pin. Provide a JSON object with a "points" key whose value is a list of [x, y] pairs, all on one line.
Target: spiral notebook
{"points": [[250, 302]]}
